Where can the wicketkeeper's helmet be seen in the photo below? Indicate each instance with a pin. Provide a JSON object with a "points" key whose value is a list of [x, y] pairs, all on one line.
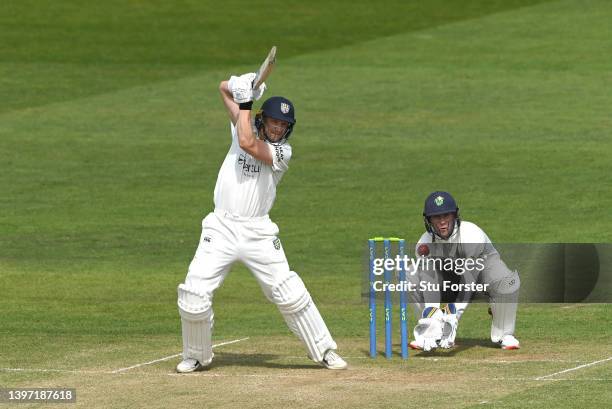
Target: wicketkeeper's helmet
{"points": [[439, 203]]}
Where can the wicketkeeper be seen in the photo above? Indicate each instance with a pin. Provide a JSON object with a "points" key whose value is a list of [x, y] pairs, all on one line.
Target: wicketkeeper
{"points": [[448, 238], [239, 229]]}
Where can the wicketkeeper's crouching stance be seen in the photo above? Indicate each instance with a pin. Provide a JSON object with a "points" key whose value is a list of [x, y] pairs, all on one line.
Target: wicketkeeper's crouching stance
{"points": [[240, 229], [449, 238]]}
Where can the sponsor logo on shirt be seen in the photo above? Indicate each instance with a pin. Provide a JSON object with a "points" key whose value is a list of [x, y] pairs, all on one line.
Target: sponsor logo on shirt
{"points": [[279, 153], [250, 167]]}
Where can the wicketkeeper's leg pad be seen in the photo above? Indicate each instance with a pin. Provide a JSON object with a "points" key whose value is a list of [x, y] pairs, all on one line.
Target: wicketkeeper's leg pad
{"points": [[504, 304], [302, 316], [197, 320]]}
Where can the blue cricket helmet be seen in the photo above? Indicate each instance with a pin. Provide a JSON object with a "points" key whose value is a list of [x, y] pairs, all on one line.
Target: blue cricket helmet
{"points": [[278, 108], [439, 202]]}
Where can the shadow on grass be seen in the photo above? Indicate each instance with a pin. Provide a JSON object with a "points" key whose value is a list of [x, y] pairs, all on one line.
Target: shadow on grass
{"points": [[463, 344], [258, 360]]}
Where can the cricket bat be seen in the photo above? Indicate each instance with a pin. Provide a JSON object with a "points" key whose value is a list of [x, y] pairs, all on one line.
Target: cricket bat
{"points": [[265, 69]]}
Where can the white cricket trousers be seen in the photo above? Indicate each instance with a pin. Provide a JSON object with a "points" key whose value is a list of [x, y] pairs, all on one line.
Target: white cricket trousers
{"points": [[253, 241]]}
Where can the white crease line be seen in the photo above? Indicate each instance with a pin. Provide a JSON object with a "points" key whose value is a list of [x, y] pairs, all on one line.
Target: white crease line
{"points": [[540, 378], [82, 371], [172, 356]]}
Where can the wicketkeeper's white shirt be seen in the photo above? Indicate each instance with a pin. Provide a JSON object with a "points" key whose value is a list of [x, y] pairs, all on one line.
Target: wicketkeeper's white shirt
{"points": [[246, 187], [468, 233]]}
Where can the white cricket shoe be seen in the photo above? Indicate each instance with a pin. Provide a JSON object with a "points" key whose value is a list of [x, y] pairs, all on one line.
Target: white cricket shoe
{"points": [[332, 360], [189, 365], [509, 342]]}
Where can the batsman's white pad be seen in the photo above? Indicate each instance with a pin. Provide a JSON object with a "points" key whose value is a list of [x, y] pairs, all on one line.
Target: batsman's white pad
{"points": [[504, 304], [302, 316], [196, 320]]}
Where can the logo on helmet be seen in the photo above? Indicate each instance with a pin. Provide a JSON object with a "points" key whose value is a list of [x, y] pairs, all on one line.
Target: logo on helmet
{"points": [[439, 201], [284, 107]]}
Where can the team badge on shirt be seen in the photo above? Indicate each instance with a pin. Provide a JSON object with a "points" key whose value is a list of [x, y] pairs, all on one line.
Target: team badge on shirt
{"points": [[277, 244]]}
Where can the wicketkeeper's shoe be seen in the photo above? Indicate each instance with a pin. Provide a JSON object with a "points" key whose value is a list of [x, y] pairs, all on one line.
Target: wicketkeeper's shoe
{"points": [[509, 342], [189, 365], [332, 360]]}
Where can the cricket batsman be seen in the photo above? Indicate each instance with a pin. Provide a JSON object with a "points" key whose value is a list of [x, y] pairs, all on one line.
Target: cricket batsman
{"points": [[239, 229], [449, 238]]}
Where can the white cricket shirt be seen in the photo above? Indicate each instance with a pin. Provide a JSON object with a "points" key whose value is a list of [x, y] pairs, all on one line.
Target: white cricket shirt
{"points": [[246, 187], [468, 233]]}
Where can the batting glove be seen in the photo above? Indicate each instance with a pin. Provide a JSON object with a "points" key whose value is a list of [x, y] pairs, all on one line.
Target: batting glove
{"points": [[241, 88], [245, 82], [240, 81], [242, 93]]}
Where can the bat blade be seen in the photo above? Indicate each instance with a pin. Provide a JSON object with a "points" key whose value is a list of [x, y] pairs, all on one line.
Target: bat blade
{"points": [[265, 69]]}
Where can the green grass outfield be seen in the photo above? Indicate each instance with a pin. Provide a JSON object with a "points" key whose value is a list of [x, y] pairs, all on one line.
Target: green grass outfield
{"points": [[112, 133]]}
